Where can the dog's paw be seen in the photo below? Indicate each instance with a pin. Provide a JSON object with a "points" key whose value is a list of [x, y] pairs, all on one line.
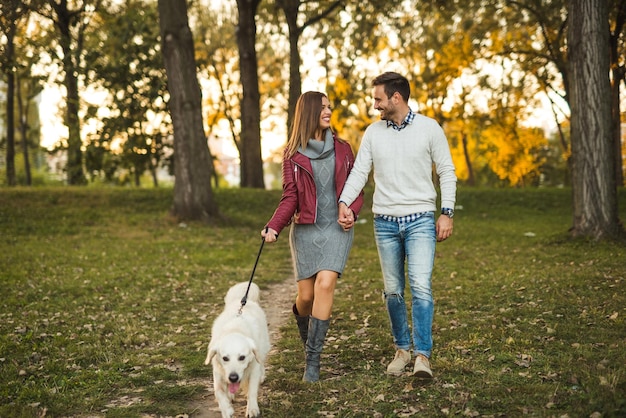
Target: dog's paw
{"points": [[226, 408], [253, 411], [228, 412]]}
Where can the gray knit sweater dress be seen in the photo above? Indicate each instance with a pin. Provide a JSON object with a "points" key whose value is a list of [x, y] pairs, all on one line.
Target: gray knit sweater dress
{"points": [[323, 245]]}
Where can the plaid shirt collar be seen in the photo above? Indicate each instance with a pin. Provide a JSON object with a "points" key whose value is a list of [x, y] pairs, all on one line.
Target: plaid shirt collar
{"points": [[407, 121]]}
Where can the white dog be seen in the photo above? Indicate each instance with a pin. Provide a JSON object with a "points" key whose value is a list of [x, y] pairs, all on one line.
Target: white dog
{"points": [[238, 348]]}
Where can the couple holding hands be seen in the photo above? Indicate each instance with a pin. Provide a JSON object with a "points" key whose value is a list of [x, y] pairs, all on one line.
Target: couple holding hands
{"points": [[323, 194]]}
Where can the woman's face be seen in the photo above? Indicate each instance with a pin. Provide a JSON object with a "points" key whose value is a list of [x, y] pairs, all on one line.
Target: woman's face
{"points": [[325, 114]]}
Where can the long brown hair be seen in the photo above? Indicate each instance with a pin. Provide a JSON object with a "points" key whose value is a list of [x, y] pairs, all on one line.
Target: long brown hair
{"points": [[306, 120]]}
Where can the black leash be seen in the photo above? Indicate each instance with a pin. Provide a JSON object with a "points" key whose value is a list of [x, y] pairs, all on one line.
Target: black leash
{"points": [[244, 300]]}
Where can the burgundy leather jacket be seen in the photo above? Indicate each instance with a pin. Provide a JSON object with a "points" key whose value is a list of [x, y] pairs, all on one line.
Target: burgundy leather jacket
{"points": [[299, 199]]}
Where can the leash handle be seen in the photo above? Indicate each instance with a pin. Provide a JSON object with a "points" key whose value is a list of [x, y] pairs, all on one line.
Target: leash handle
{"points": [[244, 300]]}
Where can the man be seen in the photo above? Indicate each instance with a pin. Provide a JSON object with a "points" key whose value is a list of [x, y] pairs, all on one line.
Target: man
{"points": [[402, 149]]}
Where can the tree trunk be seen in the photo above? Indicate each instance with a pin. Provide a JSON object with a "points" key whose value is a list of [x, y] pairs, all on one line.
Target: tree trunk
{"points": [[10, 115], [471, 180], [23, 118], [290, 9], [137, 175], [593, 181], [250, 153], [64, 22], [193, 196], [153, 166], [617, 72], [75, 173], [10, 155], [616, 123]]}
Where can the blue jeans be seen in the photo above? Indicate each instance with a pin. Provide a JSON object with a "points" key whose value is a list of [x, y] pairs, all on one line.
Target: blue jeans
{"points": [[413, 242]]}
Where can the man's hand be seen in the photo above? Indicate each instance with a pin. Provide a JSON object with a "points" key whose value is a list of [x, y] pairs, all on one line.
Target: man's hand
{"points": [[346, 217], [444, 227]]}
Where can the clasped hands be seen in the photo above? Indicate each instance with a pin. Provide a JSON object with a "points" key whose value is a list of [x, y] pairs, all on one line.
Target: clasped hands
{"points": [[346, 217], [345, 220]]}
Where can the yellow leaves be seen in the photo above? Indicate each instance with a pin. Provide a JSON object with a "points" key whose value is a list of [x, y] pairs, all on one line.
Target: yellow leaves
{"points": [[454, 57], [512, 153], [342, 87]]}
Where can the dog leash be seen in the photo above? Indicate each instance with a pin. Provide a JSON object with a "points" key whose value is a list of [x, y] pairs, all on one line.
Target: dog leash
{"points": [[244, 300]]}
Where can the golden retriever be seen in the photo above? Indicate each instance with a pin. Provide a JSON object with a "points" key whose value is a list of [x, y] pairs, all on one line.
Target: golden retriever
{"points": [[238, 349]]}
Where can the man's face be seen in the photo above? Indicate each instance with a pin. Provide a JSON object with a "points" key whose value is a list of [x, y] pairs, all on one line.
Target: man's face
{"points": [[383, 104]]}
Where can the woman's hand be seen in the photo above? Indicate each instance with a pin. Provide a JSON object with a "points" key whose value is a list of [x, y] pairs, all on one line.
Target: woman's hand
{"points": [[346, 217], [269, 235]]}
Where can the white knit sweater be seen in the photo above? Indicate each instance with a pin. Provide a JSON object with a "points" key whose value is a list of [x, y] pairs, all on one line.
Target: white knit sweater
{"points": [[403, 168]]}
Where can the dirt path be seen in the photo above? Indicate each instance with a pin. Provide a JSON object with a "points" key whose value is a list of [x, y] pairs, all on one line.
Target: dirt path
{"points": [[276, 301]]}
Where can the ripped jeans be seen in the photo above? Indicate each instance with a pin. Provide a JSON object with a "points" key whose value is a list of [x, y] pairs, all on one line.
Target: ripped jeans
{"points": [[401, 241]]}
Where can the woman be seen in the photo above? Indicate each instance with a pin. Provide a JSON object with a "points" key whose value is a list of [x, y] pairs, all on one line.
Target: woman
{"points": [[316, 165]]}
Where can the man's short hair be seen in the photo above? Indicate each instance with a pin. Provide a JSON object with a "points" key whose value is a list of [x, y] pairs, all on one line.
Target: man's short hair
{"points": [[394, 82]]}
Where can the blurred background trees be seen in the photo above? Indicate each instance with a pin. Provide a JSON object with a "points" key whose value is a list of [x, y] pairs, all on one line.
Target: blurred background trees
{"points": [[496, 74]]}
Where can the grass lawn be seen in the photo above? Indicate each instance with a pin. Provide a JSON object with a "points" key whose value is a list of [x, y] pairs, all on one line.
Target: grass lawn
{"points": [[106, 306]]}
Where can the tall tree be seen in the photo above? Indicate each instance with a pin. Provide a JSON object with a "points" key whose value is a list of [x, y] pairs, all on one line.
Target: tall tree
{"points": [[218, 60], [445, 50], [18, 56], [533, 35], [313, 12], [12, 13], [617, 48], [250, 152], [193, 195], [593, 182], [535, 38], [71, 19], [349, 38], [126, 61], [27, 89]]}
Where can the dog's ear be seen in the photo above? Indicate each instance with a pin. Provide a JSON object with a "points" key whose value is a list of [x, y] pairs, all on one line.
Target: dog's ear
{"points": [[255, 351], [211, 351]]}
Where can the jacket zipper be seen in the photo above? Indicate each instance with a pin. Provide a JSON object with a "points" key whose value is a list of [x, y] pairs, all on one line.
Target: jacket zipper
{"points": [[295, 170]]}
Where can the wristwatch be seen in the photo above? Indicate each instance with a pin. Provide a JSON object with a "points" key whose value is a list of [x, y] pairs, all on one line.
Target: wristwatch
{"points": [[448, 212]]}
